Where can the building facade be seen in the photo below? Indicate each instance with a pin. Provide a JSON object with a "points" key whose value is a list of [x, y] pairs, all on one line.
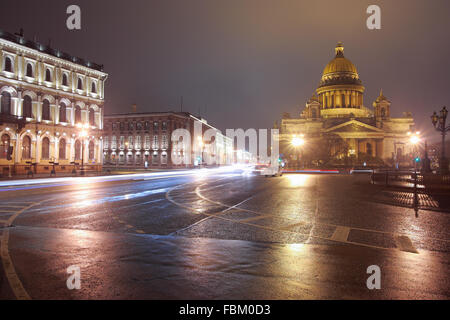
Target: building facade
{"points": [[144, 140], [51, 108], [337, 129]]}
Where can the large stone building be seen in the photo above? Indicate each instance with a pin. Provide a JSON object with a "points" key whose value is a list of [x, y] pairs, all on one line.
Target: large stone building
{"points": [[143, 140], [51, 108], [337, 128]]}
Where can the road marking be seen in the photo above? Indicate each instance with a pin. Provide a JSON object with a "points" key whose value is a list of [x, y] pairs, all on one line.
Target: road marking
{"points": [[340, 234], [404, 244], [292, 226], [256, 218], [13, 279]]}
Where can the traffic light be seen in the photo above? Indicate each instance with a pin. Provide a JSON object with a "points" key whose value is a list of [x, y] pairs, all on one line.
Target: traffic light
{"points": [[10, 152]]}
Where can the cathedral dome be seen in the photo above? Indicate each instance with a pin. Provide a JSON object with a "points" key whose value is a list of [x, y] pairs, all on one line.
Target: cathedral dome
{"points": [[340, 70]]}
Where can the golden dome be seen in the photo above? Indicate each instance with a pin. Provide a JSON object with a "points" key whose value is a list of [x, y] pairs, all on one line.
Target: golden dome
{"points": [[339, 67]]}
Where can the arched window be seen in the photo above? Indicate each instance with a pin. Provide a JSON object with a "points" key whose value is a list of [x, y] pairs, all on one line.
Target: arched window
{"points": [[369, 149], [46, 110], [26, 147], [77, 150], [27, 107], [91, 150], [91, 117], [80, 84], [77, 114], [4, 146], [62, 149], [48, 75], [93, 88], [29, 70], [45, 148], [65, 82], [62, 113], [8, 64], [6, 103]]}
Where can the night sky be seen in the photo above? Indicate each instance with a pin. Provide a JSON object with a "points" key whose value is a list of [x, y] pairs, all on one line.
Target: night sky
{"points": [[242, 63]]}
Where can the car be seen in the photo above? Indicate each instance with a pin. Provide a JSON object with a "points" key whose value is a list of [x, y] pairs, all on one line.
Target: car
{"points": [[273, 171]]}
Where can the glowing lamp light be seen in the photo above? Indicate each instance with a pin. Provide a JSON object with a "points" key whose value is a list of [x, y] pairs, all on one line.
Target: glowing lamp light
{"points": [[297, 142], [414, 139], [83, 133]]}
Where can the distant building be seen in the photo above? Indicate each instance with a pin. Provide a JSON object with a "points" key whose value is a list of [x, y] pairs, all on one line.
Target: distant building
{"points": [[338, 129], [46, 96], [143, 140]]}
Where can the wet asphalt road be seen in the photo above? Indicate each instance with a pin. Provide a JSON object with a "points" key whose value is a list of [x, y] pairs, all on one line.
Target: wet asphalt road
{"points": [[219, 235]]}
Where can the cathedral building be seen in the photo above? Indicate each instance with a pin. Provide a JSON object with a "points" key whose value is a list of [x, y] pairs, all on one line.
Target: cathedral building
{"points": [[336, 128], [51, 109]]}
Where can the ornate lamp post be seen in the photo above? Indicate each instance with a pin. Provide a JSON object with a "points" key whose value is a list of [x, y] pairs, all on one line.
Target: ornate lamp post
{"points": [[440, 123]]}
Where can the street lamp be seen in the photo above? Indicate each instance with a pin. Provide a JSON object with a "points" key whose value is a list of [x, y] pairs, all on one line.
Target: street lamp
{"points": [[440, 124], [415, 140], [297, 142], [83, 134]]}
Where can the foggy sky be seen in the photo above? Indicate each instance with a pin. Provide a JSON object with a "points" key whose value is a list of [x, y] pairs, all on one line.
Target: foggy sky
{"points": [[242, 63]]}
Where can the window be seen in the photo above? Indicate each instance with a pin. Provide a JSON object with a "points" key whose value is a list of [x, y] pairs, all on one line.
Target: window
{"points": [[4, 146], [164, 158], [164, 125], [77, 114], [29, 70], [155, 158], [114, 126], [91, 150], [77, 150], [48, 75], [155, 142], [8, 64], [46, 110], [121, 142], [6, 103], [105, 143], [164, 142], [137, 143], [113, 142], [45, 148], [147, 125], [139, 126], [62, 149], [65, 81], [383, 112], [93, 88], [314, 113], [155, 126], [92, 117], [62, 113], [130, 126], [80, 84], [121, 126], [26, 147], [27, 107], [130, 142], [147, 142]]}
